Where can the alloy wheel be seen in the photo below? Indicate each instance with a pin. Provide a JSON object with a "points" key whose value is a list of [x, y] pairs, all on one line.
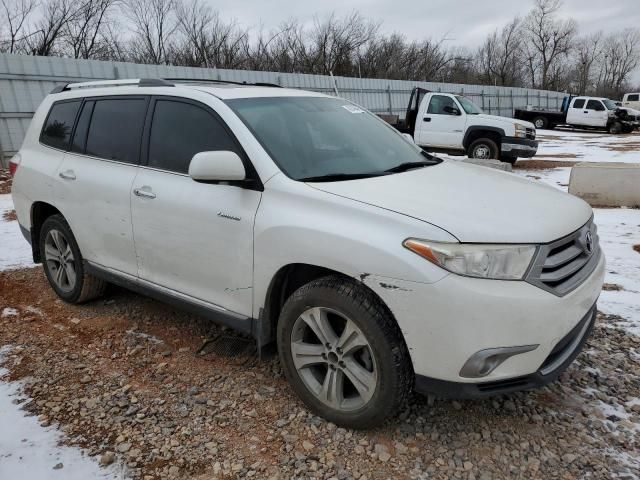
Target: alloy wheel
{"points": [[60, 260], [334, 359]]}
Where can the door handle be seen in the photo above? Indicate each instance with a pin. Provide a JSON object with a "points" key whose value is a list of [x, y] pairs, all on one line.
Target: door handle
{"points": [[67, 175], [427, 119], [144, 192], [586, 111]]}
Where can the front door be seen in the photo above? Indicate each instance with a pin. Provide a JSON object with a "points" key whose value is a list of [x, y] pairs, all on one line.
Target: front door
{"points": [[192, 238], [596, 115], [440, 123]]}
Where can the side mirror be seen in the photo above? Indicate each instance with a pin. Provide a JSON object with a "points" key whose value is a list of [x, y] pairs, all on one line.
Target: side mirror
{"points": [[451, 110], [222, 166]]}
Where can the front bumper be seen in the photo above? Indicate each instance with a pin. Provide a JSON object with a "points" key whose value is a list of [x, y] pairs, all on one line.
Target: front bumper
{"points": [[563, 354], [519, 147], [446, 322]]}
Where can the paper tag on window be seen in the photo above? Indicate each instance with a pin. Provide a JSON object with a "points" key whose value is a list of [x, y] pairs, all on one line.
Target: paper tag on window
{"points": [[352, 109]]}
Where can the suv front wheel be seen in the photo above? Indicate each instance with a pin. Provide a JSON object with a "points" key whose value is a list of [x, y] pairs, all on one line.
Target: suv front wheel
{"points": [[63, 264], [343, 353]]}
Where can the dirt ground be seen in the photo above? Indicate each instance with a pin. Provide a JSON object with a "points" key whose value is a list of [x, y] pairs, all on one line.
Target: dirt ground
{"points": [[122, 379]]}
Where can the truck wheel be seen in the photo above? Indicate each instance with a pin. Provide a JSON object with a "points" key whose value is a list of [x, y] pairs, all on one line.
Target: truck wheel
{"points": [[540, 122], [483, 149], [63, 264], [615, 128], [343, 353], [627, 129]]}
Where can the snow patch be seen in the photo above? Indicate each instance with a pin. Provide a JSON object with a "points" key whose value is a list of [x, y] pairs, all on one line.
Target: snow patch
{"points": [[9, 312], [15, 251], [30, 451]]}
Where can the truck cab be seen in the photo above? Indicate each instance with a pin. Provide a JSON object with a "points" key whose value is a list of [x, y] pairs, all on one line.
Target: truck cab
{"points": [[631, 100], [454, 124]]}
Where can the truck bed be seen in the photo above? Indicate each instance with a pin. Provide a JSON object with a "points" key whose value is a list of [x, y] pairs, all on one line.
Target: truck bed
{"points": [[553, 117]]}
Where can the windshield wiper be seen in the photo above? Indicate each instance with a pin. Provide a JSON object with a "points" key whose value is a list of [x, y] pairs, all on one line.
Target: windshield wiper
{"points": [[336, 177], [403, 167]]}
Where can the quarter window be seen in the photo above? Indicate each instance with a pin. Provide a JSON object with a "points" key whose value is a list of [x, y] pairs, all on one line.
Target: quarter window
{"points": [[57, 129], [579, 103], [116, 129], [179, 130]]}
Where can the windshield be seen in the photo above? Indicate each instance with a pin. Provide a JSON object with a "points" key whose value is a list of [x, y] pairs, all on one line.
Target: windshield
{"points": [[469, 107], [610, 104], [312, 137]]}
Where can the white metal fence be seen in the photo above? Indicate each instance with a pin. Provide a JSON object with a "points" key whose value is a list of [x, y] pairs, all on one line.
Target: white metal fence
{"points": [[26, 80]]}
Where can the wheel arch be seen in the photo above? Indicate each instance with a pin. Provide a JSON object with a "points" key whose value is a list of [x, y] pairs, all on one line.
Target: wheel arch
{"points": [[286, 281], [40, 211], [475, 132]]}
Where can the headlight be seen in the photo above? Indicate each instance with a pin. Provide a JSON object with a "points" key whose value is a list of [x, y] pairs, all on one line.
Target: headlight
{"points": [[501, 262], [521, 130]]}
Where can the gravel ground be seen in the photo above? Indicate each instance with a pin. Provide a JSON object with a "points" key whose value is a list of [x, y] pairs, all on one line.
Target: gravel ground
{"points": [[122, 379]]}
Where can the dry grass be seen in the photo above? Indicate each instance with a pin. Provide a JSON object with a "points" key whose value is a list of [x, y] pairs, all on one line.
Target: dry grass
{"points": [[9, 216], [542, 164]]}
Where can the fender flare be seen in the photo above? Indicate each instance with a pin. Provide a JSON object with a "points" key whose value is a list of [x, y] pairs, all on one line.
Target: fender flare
{"points": [[475, 128]]}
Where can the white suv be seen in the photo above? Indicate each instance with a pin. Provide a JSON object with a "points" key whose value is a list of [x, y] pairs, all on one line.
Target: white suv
{"points": [[303, 219]]}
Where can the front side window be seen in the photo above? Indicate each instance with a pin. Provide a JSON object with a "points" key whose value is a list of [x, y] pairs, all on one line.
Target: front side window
{"points": [[116, 129], [312, 137], [439, 103], [595, 105], [59, 124], [180, 130], [579, 103]]}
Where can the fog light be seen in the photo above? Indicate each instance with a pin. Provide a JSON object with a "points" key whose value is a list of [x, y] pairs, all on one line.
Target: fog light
{"points": [[482, 363]]}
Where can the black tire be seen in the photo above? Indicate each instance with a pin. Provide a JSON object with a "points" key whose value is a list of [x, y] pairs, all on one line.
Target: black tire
{"points": [[481, 145], [389, 354], [615, 128], [627, 129], [85, 287], [508, 159], [540, 123]]}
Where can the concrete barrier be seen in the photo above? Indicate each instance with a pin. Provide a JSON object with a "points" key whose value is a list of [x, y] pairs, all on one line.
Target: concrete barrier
{"points": [[497, 164], [603, 184]]}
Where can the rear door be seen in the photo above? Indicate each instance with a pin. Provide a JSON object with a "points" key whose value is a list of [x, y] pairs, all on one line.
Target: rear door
{"points": [[440, 122], [192, 238], [576, 114], [96, 177]]}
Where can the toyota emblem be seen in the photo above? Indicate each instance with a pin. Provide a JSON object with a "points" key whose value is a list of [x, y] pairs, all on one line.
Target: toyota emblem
{"points": [[588, 243]]}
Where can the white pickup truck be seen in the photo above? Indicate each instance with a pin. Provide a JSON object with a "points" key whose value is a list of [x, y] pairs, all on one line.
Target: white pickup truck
{"points": [[584, 112], [443, 122]]}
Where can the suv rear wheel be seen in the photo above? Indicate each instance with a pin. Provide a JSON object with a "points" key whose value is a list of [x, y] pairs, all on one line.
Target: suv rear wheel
{"points": [[63, 264], [343, 353], [483, 149]]}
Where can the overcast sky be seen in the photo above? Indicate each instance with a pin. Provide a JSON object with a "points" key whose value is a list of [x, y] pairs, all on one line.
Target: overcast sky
{"points": [[465, 22]]}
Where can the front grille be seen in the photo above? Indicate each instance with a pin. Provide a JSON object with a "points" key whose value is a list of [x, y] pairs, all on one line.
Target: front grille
{"points": [[561, 266], [531, 133]]}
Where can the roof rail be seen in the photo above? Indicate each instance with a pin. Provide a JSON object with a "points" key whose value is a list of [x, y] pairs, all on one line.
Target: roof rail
{"points": [[140, 82], [230, 82], [151, 82]]}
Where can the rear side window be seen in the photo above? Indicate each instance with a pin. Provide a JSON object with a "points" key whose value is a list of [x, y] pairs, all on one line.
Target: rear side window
{"points": [[116, 129], [595, 105], [579, 103], [634, 97], [179, 130], [59, 124]]}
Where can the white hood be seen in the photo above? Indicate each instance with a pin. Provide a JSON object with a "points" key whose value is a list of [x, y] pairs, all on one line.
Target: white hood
{"points": [[475, 204], [510, 121]]}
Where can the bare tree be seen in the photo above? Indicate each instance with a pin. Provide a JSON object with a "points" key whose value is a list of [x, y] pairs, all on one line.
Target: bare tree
{"points": [[499, 58], [153, 23], [588, 52], [84, 33], [15, 13], [49, 29], [620, 58], [550, 41]]}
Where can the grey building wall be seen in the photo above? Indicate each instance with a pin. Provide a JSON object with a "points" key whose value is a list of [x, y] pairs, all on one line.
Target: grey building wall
{"points": [[26, 80]]}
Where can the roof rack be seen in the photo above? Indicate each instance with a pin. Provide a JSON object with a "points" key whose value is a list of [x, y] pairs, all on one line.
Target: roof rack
{"points": [[150, 82], [230, 82]]}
